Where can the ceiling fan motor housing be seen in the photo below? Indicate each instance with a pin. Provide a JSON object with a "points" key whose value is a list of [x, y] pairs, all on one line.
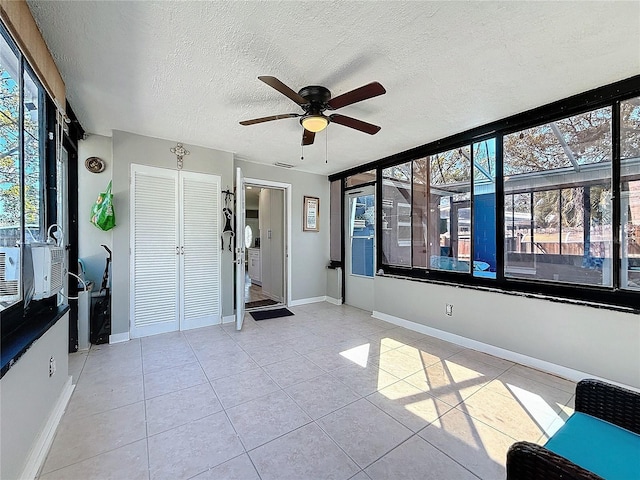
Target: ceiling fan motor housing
{"points": [[317, 96]]}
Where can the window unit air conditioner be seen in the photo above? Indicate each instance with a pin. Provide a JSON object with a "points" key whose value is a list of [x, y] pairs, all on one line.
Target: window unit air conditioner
{"points": [[48, 269], [9, 274]]}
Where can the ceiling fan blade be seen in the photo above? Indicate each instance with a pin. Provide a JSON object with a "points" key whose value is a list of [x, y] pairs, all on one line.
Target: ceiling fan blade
{"points": [[268, 119], [307, 137], [273, 82], [370, 90], [354, 123]]}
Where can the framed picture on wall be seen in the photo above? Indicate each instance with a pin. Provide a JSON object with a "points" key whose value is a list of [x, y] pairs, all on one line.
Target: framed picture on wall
{"points": [[311, 209]]}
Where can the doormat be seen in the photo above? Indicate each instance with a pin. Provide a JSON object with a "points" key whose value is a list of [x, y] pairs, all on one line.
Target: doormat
{"points": [[275, 313], [260, 303]]}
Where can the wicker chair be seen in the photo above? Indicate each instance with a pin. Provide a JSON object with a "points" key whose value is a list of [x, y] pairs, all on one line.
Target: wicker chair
{"points": [[611, 403]]}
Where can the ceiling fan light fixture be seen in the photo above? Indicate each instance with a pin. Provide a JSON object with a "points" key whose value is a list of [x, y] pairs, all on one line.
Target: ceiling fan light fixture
{"points": [[315, 123]]}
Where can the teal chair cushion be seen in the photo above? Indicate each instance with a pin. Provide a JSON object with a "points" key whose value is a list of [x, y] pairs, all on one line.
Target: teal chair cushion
{"points": [[598, 446]]}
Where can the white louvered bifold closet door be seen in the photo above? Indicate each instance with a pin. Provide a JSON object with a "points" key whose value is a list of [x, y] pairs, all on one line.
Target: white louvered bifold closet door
{"points": [[154, 256], [201, 276]]}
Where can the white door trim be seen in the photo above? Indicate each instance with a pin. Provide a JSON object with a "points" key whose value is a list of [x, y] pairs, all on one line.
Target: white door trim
{"points": [[241, 211], [287, 254]]}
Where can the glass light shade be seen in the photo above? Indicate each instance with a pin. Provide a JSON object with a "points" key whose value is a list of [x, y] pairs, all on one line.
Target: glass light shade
{"points": [[315, 123]]}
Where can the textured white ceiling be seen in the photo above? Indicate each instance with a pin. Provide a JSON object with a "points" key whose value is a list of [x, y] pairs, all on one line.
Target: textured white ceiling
{"points": [[187, 71]]}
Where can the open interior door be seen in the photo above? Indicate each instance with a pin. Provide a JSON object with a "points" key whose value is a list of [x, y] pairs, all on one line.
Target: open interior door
{"points": [[240, 254]]}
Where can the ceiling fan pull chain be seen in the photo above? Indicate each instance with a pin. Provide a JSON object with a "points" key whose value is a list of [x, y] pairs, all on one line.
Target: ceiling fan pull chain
{"points": [[326, 146], [301, 152]]}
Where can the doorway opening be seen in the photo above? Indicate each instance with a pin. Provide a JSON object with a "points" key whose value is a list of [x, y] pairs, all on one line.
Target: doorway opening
{"points": [[360, 247], [265, 236]]}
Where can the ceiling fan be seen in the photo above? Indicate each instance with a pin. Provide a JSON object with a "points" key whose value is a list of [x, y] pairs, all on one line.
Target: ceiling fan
{"points": [[315, 100]]}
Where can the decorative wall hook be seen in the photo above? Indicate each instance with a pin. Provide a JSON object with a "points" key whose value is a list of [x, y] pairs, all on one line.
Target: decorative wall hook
{"points": [[179, 152]]}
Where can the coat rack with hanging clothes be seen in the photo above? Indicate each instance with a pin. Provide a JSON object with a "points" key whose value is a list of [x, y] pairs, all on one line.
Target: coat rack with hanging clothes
{"points": [[228, 216]]}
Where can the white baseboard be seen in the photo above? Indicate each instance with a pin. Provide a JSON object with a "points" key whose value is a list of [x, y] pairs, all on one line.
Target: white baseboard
{"points": [[552, 368], [40, 449], [119, 338], [335, 301], [203, 322], [305, 301], [229, 319]]}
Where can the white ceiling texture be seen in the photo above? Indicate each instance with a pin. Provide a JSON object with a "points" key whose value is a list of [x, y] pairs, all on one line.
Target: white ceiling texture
{"points": [[187, 71]]}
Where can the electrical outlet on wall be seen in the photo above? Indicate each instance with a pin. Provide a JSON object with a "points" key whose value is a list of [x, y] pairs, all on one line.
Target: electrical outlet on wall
{"points": [[52, 366], [449, 309]]}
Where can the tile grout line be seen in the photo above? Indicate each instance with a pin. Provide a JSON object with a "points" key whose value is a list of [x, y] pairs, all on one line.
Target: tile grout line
{"points": [[461, 407], [90, 457], [342, 449], [244, 447], [98, 454], [434, 446], [209, 415], [146, 421], [313, 421], [390, 416]]}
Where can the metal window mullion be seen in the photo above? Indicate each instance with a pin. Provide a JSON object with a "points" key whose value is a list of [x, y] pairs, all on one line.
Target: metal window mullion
{"points": [[560, 220], [411, 218], [21, 153], [532, 224], [586, 222], [471, 212], [378, 245], [343, 238], [500, 220], [427, 209], [616, 189]]}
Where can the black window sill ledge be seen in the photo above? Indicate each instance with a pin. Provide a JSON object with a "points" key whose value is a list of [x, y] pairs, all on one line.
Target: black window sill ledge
{"points": [[18, 342], [539, 296]]}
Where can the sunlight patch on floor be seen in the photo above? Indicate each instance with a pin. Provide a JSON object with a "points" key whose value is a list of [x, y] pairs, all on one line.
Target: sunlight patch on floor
{"points": [[460, 373], [399, 364], [391, 343], [448, 380], [407, 403], [537, 408], [358, 355], [475, 435]]}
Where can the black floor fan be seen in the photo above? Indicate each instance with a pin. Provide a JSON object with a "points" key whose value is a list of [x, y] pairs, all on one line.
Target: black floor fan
{"points": [[101, 315]]}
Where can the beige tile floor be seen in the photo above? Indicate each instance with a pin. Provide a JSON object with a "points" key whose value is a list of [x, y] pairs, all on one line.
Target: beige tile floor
{"points": [[253, 292], [328, 393]]}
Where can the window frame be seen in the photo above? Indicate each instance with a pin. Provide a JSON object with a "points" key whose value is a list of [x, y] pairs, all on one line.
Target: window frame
{"points": [[18, 314], [607, 96]]}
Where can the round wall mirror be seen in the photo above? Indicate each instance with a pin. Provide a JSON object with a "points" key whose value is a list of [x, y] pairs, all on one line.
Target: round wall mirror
{"points": [[248, 236]]}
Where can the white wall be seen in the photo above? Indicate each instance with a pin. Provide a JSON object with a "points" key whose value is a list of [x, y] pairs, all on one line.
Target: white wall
{"points": [[129, 148], [309, 252], [29, 399], [90, 185], [597, 341]]}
